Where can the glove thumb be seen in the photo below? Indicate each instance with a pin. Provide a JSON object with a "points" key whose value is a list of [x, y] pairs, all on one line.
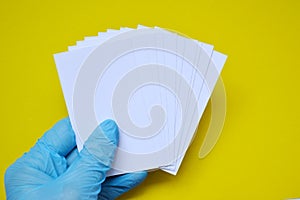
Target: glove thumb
{"points": [[83, 178]]}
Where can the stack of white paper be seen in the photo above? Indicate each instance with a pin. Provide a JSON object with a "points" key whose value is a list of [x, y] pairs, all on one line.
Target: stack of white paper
{"points": [[154, 83]]}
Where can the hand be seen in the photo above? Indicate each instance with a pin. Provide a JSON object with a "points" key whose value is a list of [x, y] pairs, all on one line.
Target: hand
{"points": [[53, 168]]}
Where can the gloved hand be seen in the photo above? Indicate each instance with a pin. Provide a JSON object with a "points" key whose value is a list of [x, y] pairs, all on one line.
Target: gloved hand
{"points": [[53, 168]]}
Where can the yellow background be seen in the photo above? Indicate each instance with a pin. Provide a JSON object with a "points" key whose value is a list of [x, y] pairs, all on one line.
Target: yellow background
{"points": [[258, 154]]}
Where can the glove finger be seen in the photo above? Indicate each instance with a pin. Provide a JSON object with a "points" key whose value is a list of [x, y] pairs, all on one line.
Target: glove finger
{"points": [[72, 156], [103, 142], [60, 138], [86, 174], [115, 186]]}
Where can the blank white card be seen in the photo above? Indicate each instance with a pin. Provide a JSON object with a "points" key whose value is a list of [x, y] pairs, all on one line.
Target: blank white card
{"points": [[154, 83]]}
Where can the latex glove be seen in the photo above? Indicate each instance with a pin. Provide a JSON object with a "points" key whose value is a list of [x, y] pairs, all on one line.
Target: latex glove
{"points": [[53, 168]]}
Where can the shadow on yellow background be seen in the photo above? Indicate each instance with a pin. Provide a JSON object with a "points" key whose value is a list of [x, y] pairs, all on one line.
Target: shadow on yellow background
{"points": [[258, 154]]}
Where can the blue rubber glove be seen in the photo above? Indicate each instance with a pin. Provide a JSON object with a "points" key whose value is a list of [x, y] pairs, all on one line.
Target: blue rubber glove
{"points": [[53, 168]]}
